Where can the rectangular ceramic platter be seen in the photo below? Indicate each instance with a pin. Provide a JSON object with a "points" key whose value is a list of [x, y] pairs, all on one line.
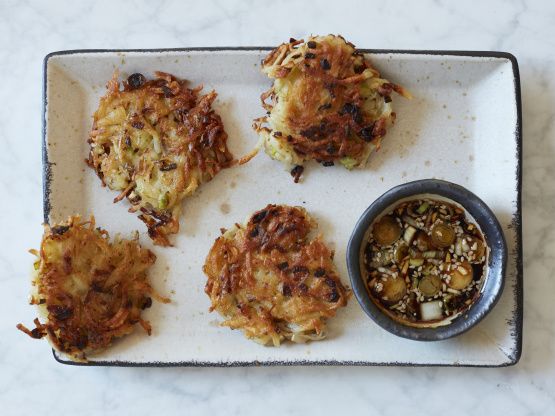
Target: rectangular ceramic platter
{"points": [[461, 126]]}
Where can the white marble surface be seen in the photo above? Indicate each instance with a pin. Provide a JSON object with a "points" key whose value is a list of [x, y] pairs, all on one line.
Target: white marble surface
{"points": [[31, 381]]}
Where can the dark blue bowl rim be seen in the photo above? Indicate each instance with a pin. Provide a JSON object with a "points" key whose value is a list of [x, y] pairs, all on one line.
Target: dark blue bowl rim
{"points": [[497, 260]]}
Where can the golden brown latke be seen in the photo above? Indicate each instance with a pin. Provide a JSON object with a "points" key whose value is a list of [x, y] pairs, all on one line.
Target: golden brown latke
{"points": [[327, 103], [156, 141], [271, 280], [88, 289]]}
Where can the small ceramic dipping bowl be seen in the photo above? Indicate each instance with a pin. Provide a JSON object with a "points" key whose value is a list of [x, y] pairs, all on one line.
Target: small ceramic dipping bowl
{"points": [[477, 212]]}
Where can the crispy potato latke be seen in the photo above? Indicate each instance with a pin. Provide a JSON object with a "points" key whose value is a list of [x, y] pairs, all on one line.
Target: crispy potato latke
{"points": [[271, 280], [327, 103], [88, 289], [156, 141]]}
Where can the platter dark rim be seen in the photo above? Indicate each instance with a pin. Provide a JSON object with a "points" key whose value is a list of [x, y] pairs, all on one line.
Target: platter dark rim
{"points": [[513, 357]]}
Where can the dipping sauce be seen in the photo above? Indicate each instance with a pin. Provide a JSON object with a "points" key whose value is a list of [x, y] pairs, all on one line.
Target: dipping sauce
{"points": [[424, 262]]}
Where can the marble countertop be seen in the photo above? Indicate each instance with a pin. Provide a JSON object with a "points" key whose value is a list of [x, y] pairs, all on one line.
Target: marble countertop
{"points": [[30, 379]]}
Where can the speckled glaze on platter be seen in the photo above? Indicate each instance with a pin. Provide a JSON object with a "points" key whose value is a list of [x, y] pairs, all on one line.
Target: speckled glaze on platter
{"points": [[463, 125]]}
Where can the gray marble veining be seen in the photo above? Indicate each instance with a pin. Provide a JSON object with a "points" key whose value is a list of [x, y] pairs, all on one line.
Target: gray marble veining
{"points": [[31, 381]]}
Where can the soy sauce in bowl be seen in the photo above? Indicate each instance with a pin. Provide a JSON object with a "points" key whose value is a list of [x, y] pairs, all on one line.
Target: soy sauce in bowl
{"points": [[424, 262]]}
